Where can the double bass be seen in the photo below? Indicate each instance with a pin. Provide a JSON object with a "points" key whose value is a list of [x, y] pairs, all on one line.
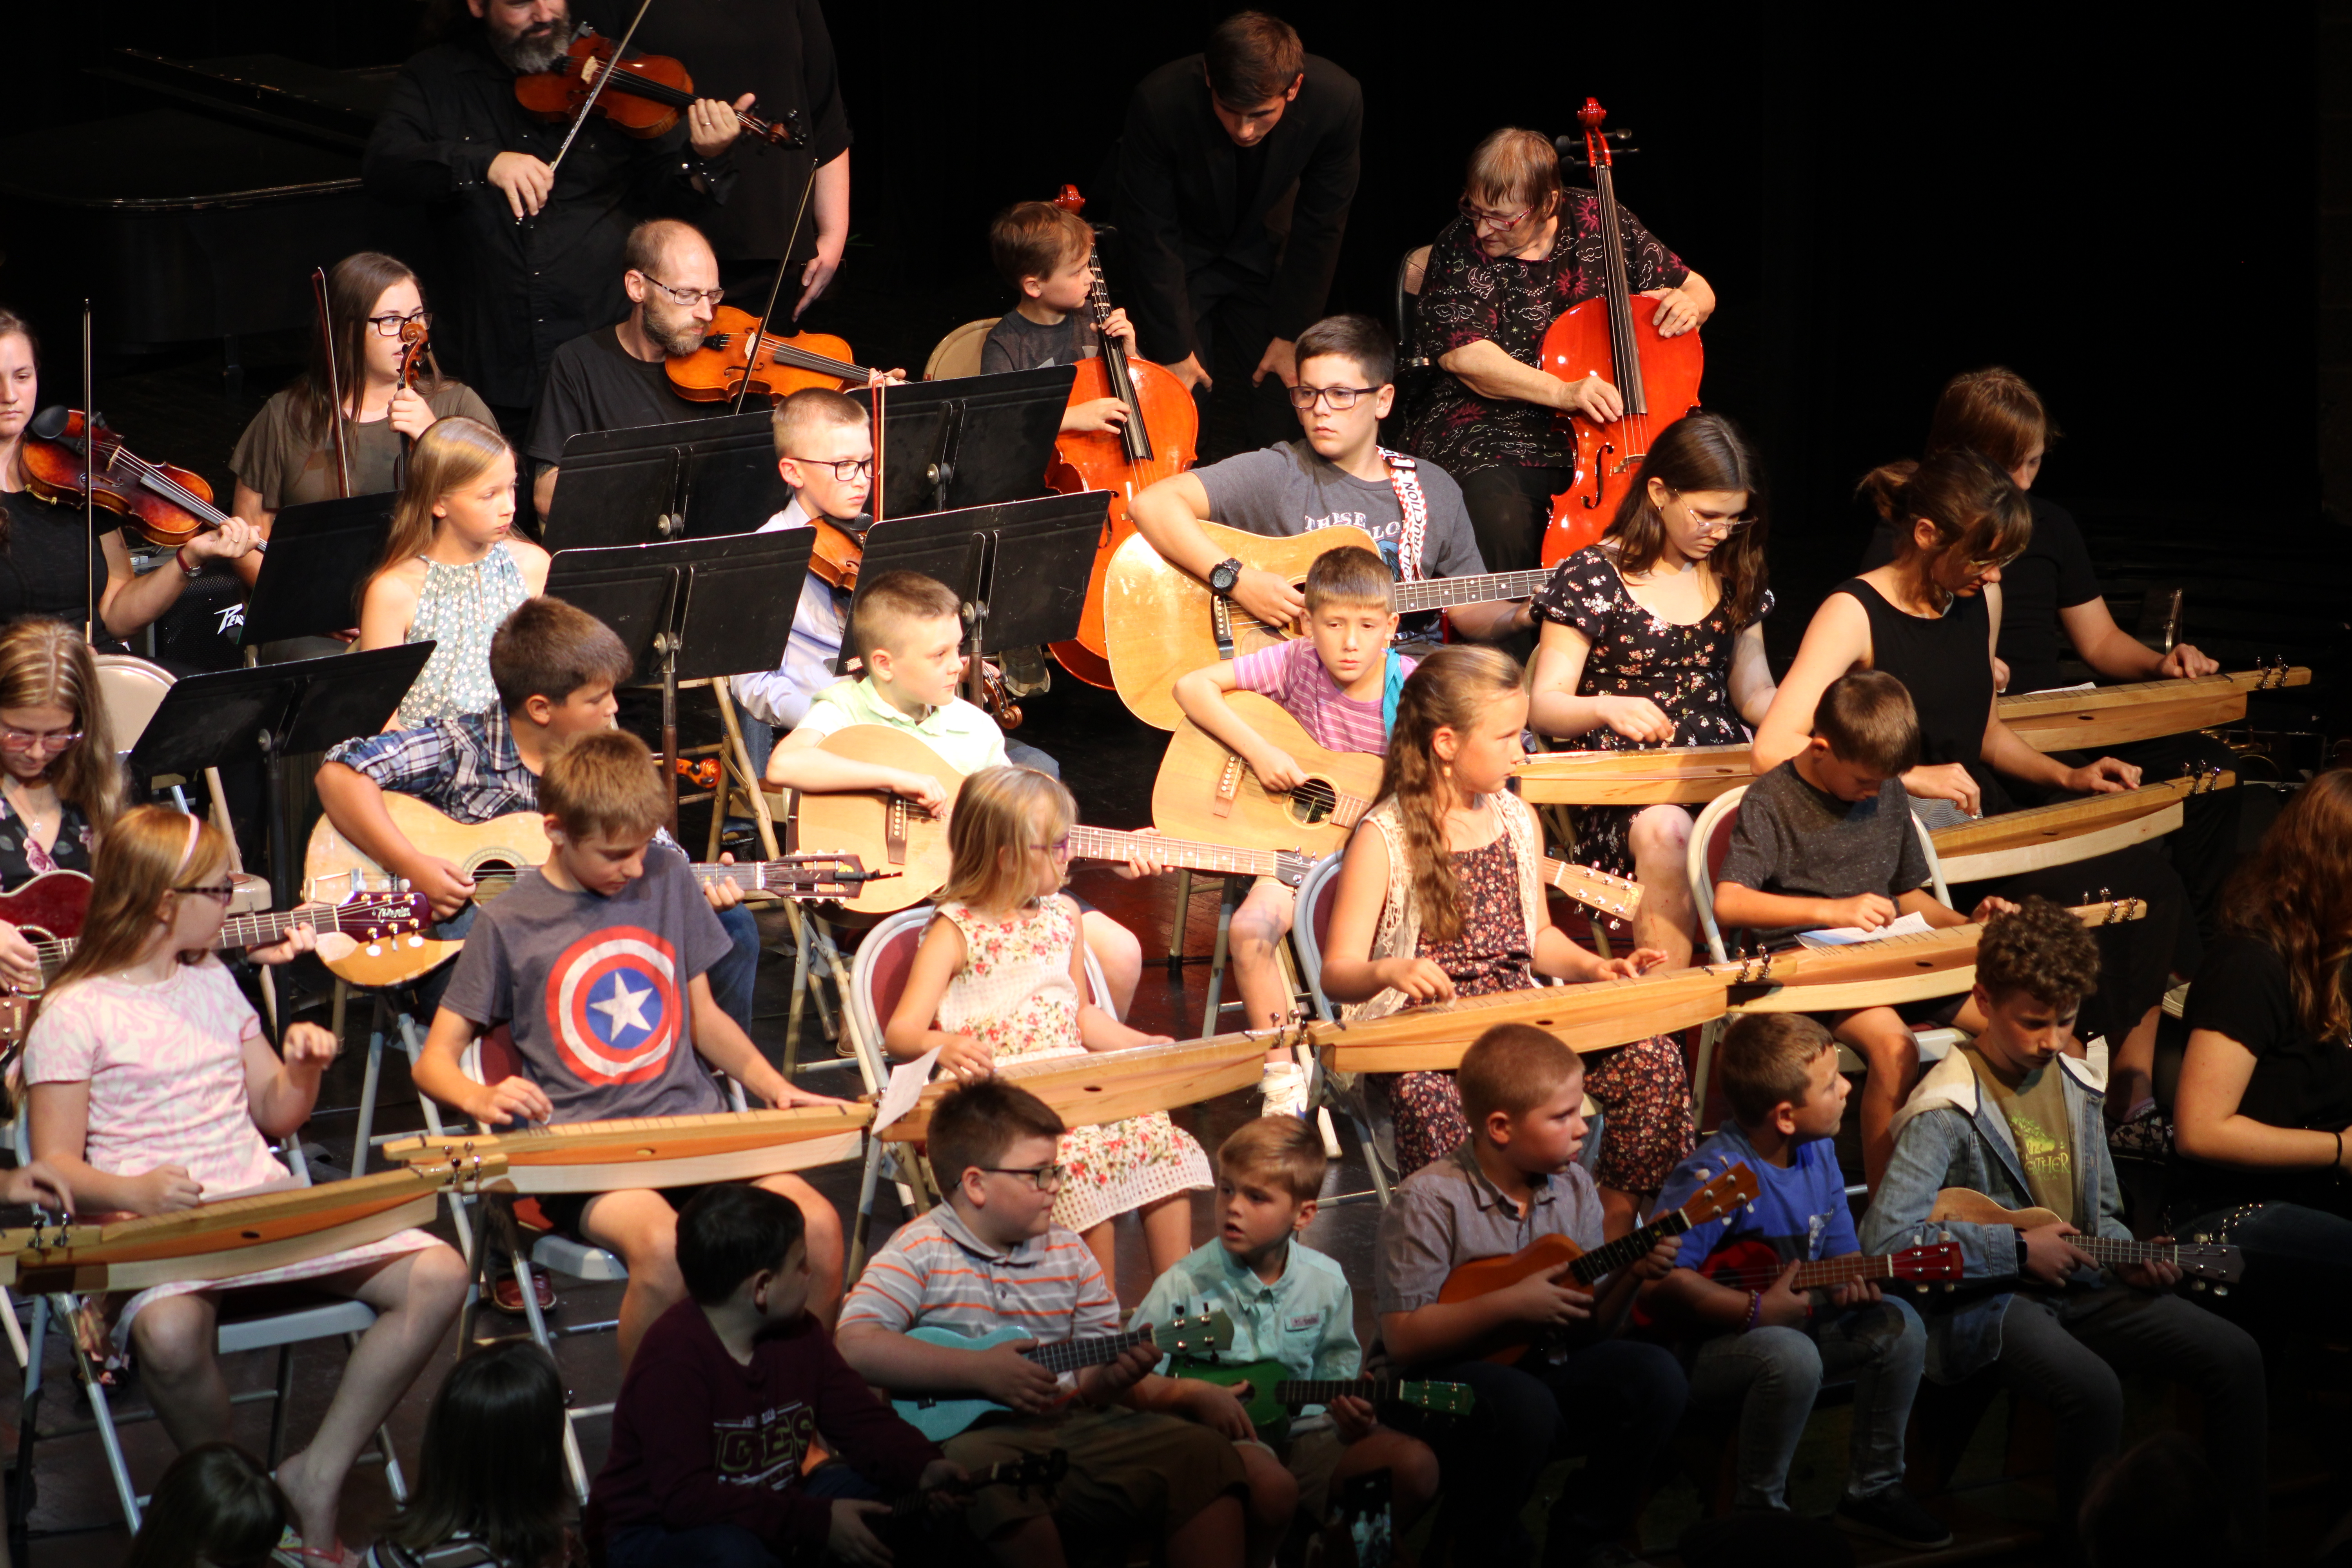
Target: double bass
{"points": [[1614, 336], [1160, 437]]}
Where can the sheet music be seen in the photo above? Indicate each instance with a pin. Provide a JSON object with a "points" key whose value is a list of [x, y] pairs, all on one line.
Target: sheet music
{"points": [[906, 1087], [1913, 924]]}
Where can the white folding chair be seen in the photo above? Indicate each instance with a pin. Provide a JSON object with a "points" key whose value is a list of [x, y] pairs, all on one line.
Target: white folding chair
{"points": [[251, 1328]]}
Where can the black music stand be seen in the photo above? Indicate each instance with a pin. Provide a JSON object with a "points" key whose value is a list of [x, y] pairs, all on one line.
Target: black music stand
{"points": [[320, 556], [691, 609], [309, 705], [1020, 568], [972, 440]]}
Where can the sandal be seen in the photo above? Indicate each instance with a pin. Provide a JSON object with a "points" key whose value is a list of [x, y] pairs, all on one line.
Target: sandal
{"points": [[506, 1296]]}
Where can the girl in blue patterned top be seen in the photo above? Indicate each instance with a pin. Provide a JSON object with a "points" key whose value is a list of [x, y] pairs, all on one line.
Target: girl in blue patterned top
{"points": [[452, 569]]}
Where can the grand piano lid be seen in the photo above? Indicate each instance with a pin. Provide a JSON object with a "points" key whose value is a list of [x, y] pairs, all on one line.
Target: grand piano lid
{"points": [[167, 160], [332, 108]]}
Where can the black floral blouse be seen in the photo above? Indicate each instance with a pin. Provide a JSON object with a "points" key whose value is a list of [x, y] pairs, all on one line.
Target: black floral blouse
{"points": [[1684, 669], [21, 859], [1467, 295]]}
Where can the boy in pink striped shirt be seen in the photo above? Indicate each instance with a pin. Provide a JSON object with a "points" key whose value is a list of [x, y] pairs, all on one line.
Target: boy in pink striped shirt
{"points": [[1341, 682]]}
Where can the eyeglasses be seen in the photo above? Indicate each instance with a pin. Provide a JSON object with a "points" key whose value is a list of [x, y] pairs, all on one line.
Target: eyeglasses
{"points": [[689, 296], [1726, 526], [17, 740], [1059, 849], [1044, 1178], [389, 326], [1491, 222], [1338, 397], [846, 469], [224, 891]]}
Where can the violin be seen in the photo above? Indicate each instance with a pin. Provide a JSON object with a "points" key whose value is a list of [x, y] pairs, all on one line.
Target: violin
{"points": [[414, 342], [643, 97], [778, 364], [1614, 336], [169, 505], [836, 555], [1160, 437]]}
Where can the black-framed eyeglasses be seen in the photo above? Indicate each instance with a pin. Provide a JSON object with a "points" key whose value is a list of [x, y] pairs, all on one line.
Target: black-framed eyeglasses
{"points": [[844, 469], [17, 740], [687, 297], [1338, 397], [1491, 222], [389, 326], [1044, 1178], [224, 891]]}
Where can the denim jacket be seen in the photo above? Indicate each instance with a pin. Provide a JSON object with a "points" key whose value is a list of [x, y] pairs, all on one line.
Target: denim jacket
{"points": [[1949, 1135]]}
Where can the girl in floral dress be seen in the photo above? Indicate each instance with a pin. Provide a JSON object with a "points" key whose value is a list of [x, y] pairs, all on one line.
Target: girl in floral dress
{"points": [[1001, 972], [60, 785], [1442, 896]]}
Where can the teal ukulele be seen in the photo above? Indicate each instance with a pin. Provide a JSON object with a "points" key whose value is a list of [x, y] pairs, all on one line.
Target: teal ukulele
{"points": [[1275, 1394], [940, 1419]]}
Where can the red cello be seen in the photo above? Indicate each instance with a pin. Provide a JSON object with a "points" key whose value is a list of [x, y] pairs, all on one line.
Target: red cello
{"points": [[1160, 437], [1614, 336]]}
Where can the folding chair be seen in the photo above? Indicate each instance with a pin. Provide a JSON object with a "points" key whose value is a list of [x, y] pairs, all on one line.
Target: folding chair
{"points": [[1710, 841], [877, 978], [263, 1323], [958, 354]]}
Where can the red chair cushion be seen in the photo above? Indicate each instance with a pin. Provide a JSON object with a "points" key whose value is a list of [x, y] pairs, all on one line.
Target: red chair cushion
{"points": [[892, 960], [1718, 843]]}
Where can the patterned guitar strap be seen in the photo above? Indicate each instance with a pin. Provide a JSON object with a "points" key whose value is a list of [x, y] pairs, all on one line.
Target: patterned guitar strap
{"points": [[1406, 563]]}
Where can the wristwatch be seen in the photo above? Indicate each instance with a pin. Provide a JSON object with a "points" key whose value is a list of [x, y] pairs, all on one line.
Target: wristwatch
{"points": [[1222, 576]]}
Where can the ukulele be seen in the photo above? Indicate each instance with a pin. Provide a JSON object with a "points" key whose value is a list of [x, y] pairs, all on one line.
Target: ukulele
{"points": [[2207, 1262], [940, 1419], [1043, 1471], [1204, 788], [891, 831], [1752, 1265], [1273, 1394], [1613, 336], [1485, 1275], [1160, 437]]}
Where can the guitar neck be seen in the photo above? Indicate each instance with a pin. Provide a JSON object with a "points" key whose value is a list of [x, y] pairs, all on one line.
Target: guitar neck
{"points": [[2108, 1249], [1070, 1355], [761, 876], [1442, 592], [1298, 1390], [1110, 844], [237, 930], [1606, 1260]]}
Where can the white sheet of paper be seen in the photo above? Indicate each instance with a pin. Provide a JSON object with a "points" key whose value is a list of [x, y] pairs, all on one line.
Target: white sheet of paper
{"points": [[906, 1087], [1913, 924]]}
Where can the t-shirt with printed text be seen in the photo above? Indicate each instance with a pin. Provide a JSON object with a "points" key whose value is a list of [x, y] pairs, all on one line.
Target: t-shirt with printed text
{"points": [[2035, 1109], [596, 989]]}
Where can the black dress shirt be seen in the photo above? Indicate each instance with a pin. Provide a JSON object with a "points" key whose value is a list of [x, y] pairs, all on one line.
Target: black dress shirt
{"points": [[1181, 207], [515, 291]]}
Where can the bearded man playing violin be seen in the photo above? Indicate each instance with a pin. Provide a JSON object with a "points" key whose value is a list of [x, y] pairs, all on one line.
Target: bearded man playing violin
{"points": [[536, 249], [1523, 251]]}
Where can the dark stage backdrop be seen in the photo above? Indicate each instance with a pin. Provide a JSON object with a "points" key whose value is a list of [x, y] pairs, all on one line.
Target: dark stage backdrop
{"points": [[2122, 209]]}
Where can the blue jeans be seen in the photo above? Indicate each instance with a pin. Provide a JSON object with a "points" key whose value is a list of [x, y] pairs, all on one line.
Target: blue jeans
{"points": [[1617, 1400], [1773, 1374], [732, 978], [1023, 757], [723, 1545]]}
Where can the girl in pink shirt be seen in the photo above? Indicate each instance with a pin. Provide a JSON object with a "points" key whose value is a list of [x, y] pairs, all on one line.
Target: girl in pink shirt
{"points": [[153, 1090]]}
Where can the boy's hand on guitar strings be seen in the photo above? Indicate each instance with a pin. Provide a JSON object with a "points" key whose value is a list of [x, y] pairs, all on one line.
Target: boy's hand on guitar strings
{"points": [[2152, 1273], [721, 892], [1659, 1261], [1272, 600], [922, 789], [448, 888], [1782, 1306], [1005, 1376], [1141, 861], [2050, 1257], [1222, 1410], [1277, 770], [1548, 1299], [1114, 1378]]}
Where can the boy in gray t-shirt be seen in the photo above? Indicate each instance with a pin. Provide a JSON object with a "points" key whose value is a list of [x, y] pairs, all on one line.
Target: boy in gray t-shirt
{"points": [[599, 962], [1826, 839]]}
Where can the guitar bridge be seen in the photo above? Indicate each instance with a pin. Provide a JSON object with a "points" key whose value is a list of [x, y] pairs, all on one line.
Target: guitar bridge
{"points": [[1220, 624], [1229, 786], [894, 828]]}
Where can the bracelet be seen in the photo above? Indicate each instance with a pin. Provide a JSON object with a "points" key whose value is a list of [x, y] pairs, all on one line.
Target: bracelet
{"points": [[181, 555], [1755, 1309]]}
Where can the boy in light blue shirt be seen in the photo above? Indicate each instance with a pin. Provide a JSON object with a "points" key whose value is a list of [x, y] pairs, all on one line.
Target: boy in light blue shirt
{"points": [[1291, 1304]]}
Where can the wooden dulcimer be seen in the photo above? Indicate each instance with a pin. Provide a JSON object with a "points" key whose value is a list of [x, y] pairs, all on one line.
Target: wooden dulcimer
{"points": [[1589, 1017], [2066, 831], [1204, 788], [1092, 1087], [2139, 711], [1882, 974], [235, 1236], [651, 1150], [1652, 776]]}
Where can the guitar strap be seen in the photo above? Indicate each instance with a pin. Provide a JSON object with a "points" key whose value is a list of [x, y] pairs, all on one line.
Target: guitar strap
{"points": [[1415, 507], [1392, 689]]}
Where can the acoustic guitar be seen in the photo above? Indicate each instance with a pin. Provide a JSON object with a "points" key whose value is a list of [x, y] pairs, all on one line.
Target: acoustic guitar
{"points": [[1487, 1275], [51, 905], [941, 1418], [1205, 787], [2207, 1262], [1273, 1394], [494, 854], [1160, 622], [895, 835]]}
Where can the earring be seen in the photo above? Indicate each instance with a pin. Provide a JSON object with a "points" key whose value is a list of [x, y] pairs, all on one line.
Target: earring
{"points": [[1448, 771]]}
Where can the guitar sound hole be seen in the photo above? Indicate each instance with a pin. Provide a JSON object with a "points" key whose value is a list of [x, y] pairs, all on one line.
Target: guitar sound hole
{"points": [[249, 1234], [1313, 803]]}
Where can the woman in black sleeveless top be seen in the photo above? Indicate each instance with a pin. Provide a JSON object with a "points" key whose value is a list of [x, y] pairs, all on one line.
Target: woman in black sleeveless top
{"points": [[1922, 618]]}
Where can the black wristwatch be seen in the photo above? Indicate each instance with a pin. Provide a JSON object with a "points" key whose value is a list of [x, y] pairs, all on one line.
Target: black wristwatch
{"points": [[1222, 576]]}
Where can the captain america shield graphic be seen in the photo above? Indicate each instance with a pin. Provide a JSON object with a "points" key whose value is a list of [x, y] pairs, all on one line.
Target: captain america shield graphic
{"points": [[614, 1003]]}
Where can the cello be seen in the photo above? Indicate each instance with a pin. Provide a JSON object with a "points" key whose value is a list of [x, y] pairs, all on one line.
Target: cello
{"points": [[1160, 437], [1614, 336]]}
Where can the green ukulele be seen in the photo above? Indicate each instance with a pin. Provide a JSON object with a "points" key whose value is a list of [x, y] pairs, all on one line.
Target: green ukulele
{"points": [[1275, 1394]]}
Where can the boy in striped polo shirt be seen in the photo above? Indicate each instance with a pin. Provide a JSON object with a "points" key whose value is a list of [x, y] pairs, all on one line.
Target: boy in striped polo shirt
{"points": [[1340, 681], [990, 1258]]}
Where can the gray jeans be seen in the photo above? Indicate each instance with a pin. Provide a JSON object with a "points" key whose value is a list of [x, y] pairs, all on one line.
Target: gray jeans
{"points": [[1772, 1374]]}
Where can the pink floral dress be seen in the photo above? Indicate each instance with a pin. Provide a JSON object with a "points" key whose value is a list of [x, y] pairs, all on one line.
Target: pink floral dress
{"points": [[1014, 994]]}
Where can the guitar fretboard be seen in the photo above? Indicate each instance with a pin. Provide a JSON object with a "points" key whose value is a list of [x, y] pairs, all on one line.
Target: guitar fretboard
{"points": [[251, 931], [1069, 1356], [1442, 592], [1110, 844], [1298, 1390], [1612, 1256], [2108, 1249]]}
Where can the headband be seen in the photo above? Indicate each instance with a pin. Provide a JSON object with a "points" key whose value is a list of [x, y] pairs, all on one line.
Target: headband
{"points": [[188, 853]]}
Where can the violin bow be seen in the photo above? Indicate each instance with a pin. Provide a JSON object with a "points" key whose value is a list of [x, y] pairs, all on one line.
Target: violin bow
{"points": [[596, 90], [334, 380], [775, 289], [88, 476]]}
